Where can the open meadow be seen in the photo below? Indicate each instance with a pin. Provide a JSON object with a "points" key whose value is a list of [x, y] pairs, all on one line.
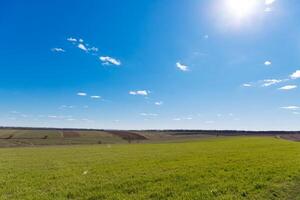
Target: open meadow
{"points": [[150, 100], [211, 168]]}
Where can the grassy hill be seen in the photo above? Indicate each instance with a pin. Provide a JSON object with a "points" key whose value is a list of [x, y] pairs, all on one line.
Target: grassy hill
{"points": [[20, 137], [16, 137]]}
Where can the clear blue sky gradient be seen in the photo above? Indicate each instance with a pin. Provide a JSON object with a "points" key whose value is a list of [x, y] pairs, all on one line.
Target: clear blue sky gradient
{"points": [[39, 86]]}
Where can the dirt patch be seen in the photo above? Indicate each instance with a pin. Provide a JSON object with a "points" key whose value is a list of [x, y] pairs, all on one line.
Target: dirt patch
{"points": [[127, 135], [7, 137], [293, 137], [71, 134]]}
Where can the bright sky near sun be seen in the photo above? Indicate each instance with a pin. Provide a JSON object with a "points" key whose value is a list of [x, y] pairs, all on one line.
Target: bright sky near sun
{"points": [[219, 64]]}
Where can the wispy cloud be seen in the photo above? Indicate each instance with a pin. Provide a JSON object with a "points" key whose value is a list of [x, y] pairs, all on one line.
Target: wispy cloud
{"points": [[182, 67], [182, 119], [176, 119], [139, 92], [267, 63], [87, 120], [269, 82], [70, 39], [58, 50], [95, 49], [96, 97], [288, 87], [81, 94], [52, 116], [159, 103], [92, 50], [295, 75], [82, 47], [291, 107], [247, 85], [106, 60], [66, 106], [149, 114]]}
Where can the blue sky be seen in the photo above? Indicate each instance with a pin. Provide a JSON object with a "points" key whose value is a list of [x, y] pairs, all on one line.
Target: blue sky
{"points": [[220, 64]]}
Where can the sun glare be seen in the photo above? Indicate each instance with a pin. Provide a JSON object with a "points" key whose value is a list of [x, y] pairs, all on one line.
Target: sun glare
{"points": [[241, 8]]}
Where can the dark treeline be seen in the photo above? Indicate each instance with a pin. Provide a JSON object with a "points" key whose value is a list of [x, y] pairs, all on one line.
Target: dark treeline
{"points": [[169, 131], [48, 128], [224, 132]]}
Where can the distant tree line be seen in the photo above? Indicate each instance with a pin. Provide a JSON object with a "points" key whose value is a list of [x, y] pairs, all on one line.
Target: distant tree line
{"points": [[169, 131]]}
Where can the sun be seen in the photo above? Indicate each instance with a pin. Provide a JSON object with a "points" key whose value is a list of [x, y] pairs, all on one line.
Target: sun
{"points": [[241, 8]]}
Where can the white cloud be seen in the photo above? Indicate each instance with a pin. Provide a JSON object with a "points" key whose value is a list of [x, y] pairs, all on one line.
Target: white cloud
{"points": [[66, 106], [82, 47], [149, 114], [269, 82], [95, 49], [296, 113], [269, 2], [139, 92], [267, 63], [109, 60], [247, 85], [291, 107], [95, 97], [182, 67], [52, 116], [182, 119], [176, 119], [288, 87], [70, 39], [159, 103], [209, 122], [57, 50], [295, 75], [81, 94]]}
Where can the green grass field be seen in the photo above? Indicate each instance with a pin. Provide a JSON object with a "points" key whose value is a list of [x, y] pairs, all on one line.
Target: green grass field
{"points": [[219, 168]]}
